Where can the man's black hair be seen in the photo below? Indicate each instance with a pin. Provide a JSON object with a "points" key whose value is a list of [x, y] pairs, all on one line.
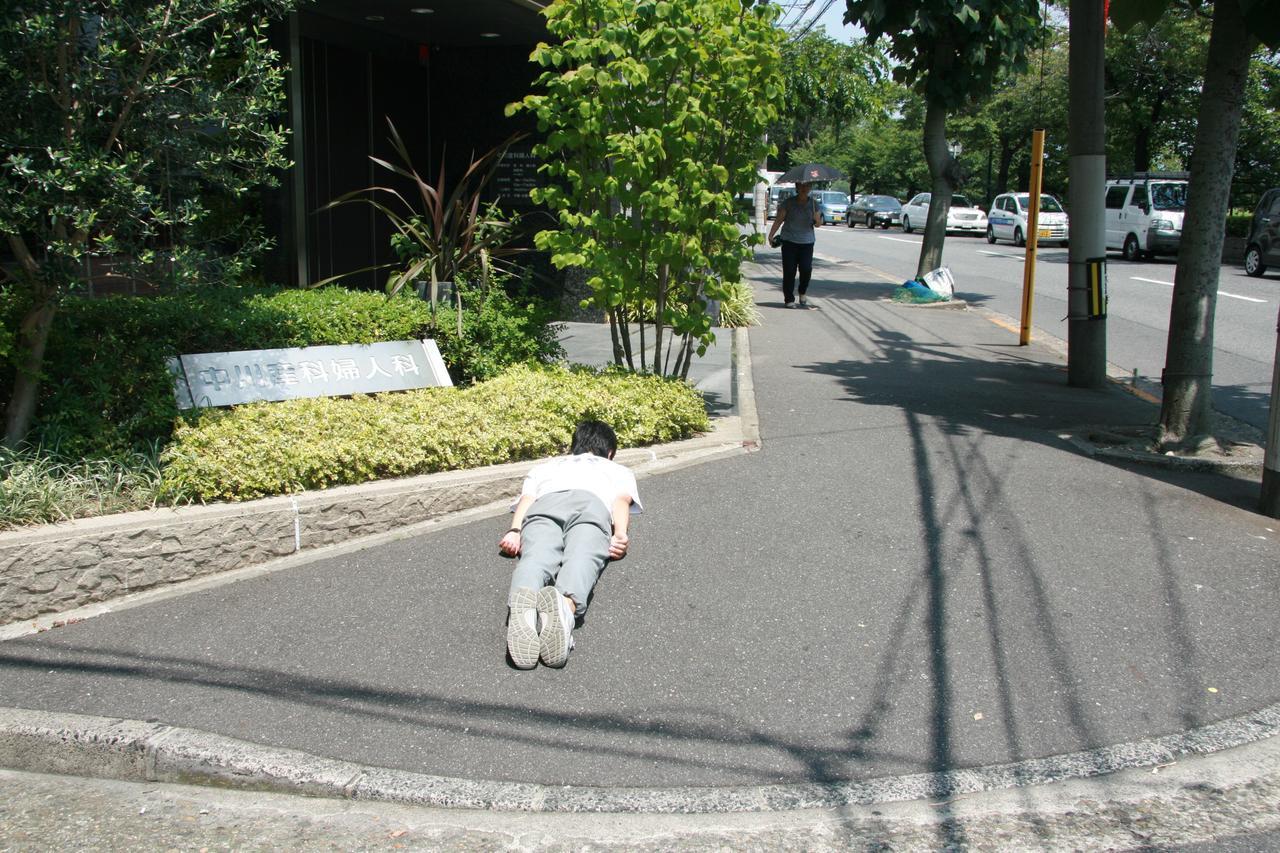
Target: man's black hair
{"points": [[594, 437]]}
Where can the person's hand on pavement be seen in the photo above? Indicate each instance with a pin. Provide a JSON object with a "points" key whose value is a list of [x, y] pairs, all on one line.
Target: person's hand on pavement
{"points": [[509, 544], [618, 546]]}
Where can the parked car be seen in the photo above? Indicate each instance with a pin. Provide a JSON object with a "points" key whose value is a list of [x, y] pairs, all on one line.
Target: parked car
{"points": [[777, 193], [1008, 219], [961, 217], [1263, 246], [873, 210], [832, 204], [1144, 213]]}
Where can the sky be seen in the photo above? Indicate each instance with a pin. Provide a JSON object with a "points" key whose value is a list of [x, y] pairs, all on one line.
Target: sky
{"points": [[830, 19]]}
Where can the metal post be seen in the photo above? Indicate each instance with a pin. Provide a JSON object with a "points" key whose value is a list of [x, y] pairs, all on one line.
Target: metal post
{"points": [[1032, 237], [1270, 503], [298, 174]]}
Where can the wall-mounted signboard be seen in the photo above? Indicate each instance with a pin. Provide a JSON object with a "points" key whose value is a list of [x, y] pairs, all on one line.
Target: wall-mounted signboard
{"points": [[516, 176]]}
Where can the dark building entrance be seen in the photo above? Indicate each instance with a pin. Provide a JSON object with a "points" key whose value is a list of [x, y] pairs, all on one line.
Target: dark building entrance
{"points": [[442, 72]]}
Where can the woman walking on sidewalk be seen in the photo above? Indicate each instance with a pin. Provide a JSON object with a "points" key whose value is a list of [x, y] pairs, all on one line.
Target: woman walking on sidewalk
{"points": [[797, 217]]}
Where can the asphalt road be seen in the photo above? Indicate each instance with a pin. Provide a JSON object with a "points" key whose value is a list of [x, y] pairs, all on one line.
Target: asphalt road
{"points": [[914, 574], [1138, 313]]}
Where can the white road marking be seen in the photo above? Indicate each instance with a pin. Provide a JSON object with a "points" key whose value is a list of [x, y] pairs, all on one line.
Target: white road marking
{"points": [[1220, 292], [1238, 296], [1002, 255], [899, 240]]}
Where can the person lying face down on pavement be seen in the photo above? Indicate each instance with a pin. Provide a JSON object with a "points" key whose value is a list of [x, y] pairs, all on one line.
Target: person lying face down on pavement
{"points": [[571, 518]]}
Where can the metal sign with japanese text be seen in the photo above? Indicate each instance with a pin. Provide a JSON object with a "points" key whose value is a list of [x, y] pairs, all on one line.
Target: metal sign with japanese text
{"points": [[229, 378]]}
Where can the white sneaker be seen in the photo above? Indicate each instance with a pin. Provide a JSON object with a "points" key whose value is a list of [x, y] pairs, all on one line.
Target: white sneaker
{"points": [[523, 643], [556, 636], [804, 303]]}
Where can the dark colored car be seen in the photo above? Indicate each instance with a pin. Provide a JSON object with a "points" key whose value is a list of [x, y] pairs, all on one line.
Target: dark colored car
{"points": [[873, 210], [1263, 246]]}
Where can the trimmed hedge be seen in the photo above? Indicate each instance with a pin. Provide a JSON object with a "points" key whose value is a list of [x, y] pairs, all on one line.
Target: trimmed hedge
{"points": [[107, 392], [264, 449]]}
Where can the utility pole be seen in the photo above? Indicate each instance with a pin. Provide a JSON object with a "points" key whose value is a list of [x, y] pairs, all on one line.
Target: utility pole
{"points": [[1087, 167]]}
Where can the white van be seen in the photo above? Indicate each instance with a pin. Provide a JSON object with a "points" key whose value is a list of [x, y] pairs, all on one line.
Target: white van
{"points": [[1144, 213], [1007, 219]]}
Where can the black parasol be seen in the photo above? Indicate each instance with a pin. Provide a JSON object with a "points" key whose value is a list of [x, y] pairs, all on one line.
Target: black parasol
{"points": [[807, 173]]}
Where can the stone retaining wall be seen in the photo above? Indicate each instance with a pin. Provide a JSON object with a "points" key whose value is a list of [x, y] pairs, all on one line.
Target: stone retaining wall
{"points": [[63, 566]]}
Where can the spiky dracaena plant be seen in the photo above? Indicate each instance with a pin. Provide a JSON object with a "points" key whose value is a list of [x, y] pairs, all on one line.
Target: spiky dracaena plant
{"points": [[447, 236]]}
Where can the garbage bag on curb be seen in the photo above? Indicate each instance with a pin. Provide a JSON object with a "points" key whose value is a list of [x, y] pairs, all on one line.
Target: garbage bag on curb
{"points": [[914, 291], [940, 281]]}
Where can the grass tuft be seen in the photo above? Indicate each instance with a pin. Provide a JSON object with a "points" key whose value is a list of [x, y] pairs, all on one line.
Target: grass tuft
{"points": [[38, 487]]}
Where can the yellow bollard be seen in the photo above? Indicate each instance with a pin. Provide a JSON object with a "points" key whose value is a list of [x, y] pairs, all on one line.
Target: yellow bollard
{"points": [[1033, 235]]}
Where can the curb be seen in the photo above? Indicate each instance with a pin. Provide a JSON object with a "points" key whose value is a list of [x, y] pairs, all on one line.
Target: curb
{"points": [[1246, 469], [1117, 377], [132, 750]]}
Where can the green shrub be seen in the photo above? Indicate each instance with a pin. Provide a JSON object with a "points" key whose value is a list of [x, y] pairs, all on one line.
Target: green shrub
{"points": [[264, 449], [107, 391], [738, 308]]}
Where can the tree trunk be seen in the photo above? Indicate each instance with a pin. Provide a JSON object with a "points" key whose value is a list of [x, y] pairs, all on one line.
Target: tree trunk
{"points": [[33, 336], [940, 163], [1007, 149], [1142, 149], [660, 307], [1142, 136], [1188, 373]]}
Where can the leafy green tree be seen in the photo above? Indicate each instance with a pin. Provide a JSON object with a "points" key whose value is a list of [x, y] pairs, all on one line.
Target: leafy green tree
{"points": [[1153, 85], [829, 86], [1035, 97], [881, 151], [1258, 153], [951, 52], [122, 118], [654, 115], [892, 145]]}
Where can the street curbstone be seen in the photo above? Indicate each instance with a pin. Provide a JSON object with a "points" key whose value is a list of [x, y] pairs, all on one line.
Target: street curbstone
{"points": [[80, 745]]}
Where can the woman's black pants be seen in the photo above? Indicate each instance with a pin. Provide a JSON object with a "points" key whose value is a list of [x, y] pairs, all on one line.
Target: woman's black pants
{"points": [[795, 256]]}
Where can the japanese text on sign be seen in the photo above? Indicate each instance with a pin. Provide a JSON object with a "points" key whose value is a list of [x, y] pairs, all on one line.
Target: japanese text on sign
{"points": [[229, 378]]}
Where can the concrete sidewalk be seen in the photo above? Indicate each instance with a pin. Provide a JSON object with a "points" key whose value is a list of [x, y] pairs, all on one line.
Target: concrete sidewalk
{"points": [[918, 588]]}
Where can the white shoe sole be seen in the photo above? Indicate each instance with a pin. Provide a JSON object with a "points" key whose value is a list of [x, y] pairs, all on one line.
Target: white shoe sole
{"points": [[523, 643], [556, 640]]}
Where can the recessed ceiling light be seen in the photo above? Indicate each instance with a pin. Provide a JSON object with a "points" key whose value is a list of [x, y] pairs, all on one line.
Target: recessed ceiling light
{"points": [[374, 18], [489, 35], [423, 10]]}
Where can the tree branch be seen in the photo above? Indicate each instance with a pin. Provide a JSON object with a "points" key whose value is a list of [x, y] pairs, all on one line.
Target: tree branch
{"points": [[132, 93]]}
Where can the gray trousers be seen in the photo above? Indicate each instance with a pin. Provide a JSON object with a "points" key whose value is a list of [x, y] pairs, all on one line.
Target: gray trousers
{"points": [[565, 542]]}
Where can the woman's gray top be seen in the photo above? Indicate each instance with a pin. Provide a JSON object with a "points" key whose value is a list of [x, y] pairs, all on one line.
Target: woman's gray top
{"points": [[798, 226]]}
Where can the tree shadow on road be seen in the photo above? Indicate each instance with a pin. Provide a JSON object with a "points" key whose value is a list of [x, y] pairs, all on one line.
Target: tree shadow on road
{"points": [[952, 405]]}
